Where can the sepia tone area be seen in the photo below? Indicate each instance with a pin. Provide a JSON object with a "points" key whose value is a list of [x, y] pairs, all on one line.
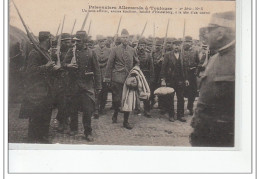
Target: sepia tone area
{"points": [[152, 73]]}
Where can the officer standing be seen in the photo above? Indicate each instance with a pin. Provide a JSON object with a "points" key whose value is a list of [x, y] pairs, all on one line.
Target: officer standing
{"points": [[173, 74], [157, 56], [191, 58], [37, 104], [121, 60], [60, 84], [102, 53], [146, 65], [213, 121], [85, 79]]}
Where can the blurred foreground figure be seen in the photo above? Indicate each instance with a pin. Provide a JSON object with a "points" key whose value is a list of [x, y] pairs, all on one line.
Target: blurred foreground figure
{"points": [[37, 104], [213, 121]]}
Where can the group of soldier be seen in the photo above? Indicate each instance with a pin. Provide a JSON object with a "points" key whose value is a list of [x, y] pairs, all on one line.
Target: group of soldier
{"points": [[84, 71]]}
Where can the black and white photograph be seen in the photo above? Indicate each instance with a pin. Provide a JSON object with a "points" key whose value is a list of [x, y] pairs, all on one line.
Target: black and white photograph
{"points": [[124, 73]]}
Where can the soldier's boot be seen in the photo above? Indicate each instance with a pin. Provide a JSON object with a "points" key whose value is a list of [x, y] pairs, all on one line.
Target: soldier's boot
{"points": [[66, 128], [114, 117], [89, 138], [180, 118], [96, 114], [60, 127], [126, 124], [147, 114]]}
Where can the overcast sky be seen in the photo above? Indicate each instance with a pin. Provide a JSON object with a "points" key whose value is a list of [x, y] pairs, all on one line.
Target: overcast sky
{"points": [[47, 14]]}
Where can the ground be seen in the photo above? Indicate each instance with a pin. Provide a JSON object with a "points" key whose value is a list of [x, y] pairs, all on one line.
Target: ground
{"points": [[155, 131]]}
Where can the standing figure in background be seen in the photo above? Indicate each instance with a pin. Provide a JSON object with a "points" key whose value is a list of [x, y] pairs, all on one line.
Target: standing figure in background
{"points": [[37, 104], [191, 59], [157, 57], [174, 75], [85, 80], [213, 121], [121, 60], [102, 53], [146, 66], [60, 84]]}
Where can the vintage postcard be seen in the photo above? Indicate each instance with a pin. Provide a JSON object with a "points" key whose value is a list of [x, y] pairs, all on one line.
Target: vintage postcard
{"points": [[143, 73]]}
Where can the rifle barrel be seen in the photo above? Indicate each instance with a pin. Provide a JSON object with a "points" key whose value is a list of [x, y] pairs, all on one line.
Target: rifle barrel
{"points": [[73, 26], [84, 22], [144, 29]]}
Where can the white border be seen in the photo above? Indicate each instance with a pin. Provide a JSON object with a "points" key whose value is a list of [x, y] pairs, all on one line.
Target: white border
{"points": [[136, 161]]}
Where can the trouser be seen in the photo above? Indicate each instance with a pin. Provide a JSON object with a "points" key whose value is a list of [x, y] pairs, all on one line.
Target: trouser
{"points": [[147, 106], [168, 100], [191, 90], [191, 100], [102, 98], [39, 123], [84, 102], [62, 111], [212, 129]]}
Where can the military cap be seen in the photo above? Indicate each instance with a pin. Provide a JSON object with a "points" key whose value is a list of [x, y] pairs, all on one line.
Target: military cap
{"points": [[188, 39], [124, 32], [159, 42], [65, 36], [81, 35], [204, 46], [118, 40], [101, 38], [43, 35], [149, 41], [177, 41], [225, 19], [142, 41]]}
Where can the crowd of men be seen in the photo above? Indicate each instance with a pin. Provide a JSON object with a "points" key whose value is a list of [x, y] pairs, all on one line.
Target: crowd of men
{"points": [[82, 74]]}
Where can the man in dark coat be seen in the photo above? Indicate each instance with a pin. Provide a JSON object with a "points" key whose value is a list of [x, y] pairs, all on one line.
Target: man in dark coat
{"points": [[191, 58], [146, 65], [60, 84], [37, 105], [85, 80], [174, 75], [121, 60], [102, 53], [157, 56], [213, 120]]}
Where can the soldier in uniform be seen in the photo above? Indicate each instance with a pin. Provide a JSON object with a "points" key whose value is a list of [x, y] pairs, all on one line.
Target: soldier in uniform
{"points": [[174, 75], [121, 60], [146, 65], [85, 80], [157, 56], [37, 104], [191, 58], [102, 53], [60, 84], [213, 121]]}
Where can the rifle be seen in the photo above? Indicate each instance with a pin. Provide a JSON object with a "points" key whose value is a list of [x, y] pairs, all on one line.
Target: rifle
{"points": [[154, 37], [142, 33], [89, 28], [183, 36], [84, 22], [57, 31], [165, 38], [73, 26], [115, 38], [34, 42], [59, 44]]}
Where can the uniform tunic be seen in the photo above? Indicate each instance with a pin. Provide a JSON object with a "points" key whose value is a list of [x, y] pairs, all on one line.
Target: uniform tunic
{"points": [[121, 61], [213, 121], [37, 104]]}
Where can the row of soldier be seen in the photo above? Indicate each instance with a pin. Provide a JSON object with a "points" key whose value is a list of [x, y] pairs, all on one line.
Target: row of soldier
{"points": [[88, 72]]}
